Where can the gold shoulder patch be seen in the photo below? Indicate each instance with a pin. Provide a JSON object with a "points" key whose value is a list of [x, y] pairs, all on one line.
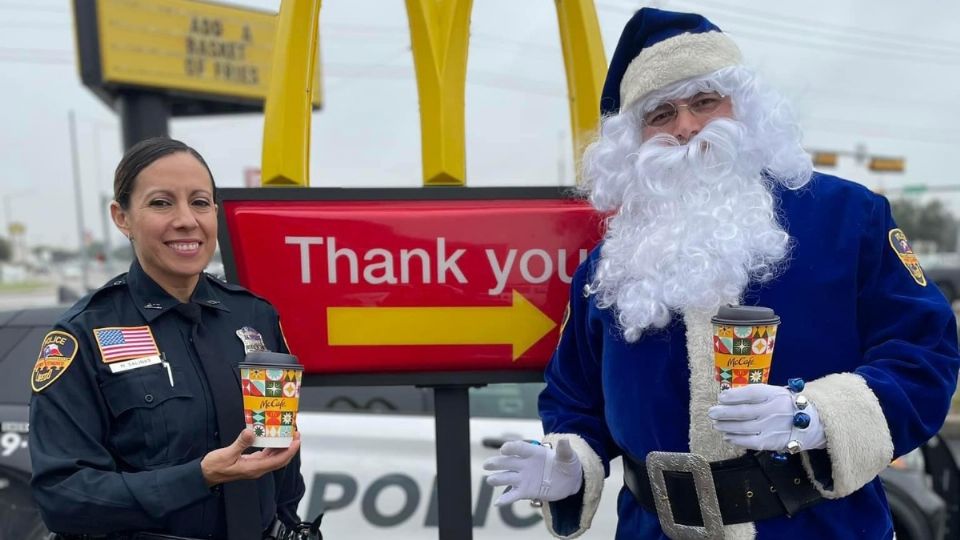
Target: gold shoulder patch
{"points": [[900, 245], [56, 353]]}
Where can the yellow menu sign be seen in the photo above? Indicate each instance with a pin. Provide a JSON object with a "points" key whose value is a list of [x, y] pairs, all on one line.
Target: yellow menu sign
{"points": [[185, 46]]}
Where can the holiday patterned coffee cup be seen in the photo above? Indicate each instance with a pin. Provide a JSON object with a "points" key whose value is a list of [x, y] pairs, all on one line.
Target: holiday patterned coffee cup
{"points": [[271, 399], [744, 338]]}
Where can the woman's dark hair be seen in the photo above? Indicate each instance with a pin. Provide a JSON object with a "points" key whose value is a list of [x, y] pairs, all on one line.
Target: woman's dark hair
{"points": [[141, 155]]}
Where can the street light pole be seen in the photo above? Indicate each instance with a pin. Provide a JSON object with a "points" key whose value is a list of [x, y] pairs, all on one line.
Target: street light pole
{"points": [[6, 213], [78, 198]]}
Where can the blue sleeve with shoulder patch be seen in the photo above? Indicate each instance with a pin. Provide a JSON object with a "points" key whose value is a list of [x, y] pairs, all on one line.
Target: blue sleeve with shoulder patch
{"points": [[909, 335]]}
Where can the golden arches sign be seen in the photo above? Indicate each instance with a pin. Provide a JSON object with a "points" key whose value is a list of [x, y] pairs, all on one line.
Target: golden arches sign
{"points": [[439, 32]]}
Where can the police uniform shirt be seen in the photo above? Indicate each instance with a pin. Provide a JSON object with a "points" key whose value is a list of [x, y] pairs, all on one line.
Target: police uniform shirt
{"points": [[116, 442]]}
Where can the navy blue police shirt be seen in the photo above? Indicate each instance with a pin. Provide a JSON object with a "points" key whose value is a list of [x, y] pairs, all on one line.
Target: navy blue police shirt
{"points": [[122, 411]]}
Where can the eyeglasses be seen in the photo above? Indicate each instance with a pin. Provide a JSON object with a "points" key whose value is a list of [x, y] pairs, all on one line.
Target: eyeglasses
{"points": [[701, 104]]}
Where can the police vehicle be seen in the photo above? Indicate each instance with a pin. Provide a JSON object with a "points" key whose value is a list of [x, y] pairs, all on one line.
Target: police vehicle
{"points": [[369, 459]]}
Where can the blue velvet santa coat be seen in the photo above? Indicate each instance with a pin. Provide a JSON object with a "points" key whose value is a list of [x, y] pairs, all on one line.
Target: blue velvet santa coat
{"points": [[876, 343]]}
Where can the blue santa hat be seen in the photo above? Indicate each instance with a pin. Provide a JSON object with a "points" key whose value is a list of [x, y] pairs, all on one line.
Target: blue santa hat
{"points": [[658, 48]]}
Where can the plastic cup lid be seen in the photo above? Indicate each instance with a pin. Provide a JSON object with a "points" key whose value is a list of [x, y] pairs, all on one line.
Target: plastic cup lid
{"points": [[745, 315], [271, 359]]}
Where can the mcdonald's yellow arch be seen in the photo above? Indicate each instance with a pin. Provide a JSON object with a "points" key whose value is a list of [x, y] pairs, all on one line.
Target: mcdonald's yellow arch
{"points": [[439, 32]]}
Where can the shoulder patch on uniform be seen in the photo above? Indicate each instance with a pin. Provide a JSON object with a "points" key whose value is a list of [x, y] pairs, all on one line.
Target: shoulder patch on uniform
{"points": [[56, 354], [125, 342], [900, 245]]}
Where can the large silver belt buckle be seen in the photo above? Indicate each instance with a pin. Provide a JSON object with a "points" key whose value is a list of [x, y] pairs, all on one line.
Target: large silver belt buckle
{"points": [[699, 467]]}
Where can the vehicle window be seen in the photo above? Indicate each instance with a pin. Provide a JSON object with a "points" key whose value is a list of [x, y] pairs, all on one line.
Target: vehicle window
{"points": [[18, 353], [508, 400], [366, 399]]}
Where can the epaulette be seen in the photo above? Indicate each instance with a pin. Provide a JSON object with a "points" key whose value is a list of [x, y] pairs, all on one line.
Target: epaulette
{"points": [[80, 305], [223, 283], [232, 287]]}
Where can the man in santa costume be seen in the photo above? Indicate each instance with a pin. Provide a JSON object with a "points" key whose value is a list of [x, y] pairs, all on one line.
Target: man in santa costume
{"points": [[713, 202]]}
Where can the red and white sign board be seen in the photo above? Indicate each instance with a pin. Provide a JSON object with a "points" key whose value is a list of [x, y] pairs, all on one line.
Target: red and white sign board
{"points": [[398, 284]]}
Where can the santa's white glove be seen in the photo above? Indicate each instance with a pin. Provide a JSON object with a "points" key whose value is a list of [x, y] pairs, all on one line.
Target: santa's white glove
{"points": [[766, 417], [535, 471]]}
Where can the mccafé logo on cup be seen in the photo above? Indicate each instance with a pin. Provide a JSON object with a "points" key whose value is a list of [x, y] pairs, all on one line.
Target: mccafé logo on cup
{"points": [[743, 341]]}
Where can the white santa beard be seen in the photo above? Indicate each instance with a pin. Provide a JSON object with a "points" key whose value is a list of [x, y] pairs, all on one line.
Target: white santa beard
{"points": [[696, 224]]}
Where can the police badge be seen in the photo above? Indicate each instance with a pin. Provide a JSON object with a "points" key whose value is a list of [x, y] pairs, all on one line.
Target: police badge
{"points": [[252, 340]]}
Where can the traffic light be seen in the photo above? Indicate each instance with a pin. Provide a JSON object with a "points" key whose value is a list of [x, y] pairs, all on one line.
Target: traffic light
{"points": [[878, 164], [825, 159]]}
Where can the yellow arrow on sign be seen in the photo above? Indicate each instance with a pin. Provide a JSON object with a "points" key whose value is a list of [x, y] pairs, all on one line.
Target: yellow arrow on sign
{"points": [[521, 325]]}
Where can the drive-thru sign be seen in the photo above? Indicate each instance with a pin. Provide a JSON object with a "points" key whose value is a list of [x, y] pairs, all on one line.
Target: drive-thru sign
{"points": [[411, 279]]}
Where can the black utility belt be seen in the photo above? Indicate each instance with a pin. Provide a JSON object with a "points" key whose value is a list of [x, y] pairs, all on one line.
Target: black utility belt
{"points": [[687, 491]]}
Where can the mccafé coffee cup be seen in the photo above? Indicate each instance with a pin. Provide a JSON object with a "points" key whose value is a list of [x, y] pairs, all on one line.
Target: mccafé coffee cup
{"points": [[743, 341], [271, 397]]}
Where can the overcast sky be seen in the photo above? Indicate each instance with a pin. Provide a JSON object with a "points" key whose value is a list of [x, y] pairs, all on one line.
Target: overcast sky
{"points": [[876, 75]]}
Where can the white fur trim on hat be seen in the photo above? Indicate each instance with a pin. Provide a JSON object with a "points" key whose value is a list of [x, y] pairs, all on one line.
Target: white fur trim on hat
{"points": [[593, 476], [675, 59], [858, 438]]}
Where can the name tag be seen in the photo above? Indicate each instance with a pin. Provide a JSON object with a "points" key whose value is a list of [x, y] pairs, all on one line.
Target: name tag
{"points": [[127, 365]]}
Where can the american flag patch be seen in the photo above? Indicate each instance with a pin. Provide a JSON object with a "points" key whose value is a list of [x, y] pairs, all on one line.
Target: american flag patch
{"points": [[124, 343]]}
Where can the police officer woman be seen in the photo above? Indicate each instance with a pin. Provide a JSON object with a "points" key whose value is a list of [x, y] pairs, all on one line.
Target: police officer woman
{"points": [[137, 420]]}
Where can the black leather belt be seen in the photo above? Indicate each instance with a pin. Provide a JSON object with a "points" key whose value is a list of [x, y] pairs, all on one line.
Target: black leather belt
{"points": [[752, 487]]}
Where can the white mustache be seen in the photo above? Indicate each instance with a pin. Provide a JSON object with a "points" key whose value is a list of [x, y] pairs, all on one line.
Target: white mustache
{"points": [[711, 153]]}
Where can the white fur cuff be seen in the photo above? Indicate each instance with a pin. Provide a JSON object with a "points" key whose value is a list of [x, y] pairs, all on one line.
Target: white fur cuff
{"points": [[593, 477], [858, 438]]}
